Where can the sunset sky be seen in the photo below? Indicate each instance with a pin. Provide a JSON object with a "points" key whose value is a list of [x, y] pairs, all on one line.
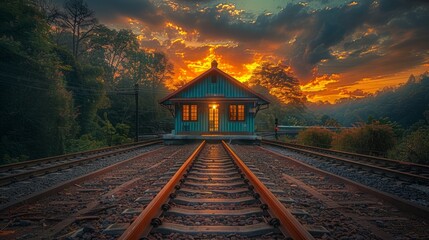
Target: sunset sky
{"points": [[336, 48]]}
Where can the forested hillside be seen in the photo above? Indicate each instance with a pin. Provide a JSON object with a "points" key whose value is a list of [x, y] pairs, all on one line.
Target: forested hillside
{"points": [[67, 83], [405, 105]]}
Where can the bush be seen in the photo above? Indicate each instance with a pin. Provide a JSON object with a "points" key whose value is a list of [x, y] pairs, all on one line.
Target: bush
{"points": [[121, 134], [84, 143], [414, 147], [6, 159], [317, 137], [373, 139]]}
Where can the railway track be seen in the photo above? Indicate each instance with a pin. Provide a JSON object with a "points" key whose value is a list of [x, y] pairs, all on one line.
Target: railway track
{"points": [[164, 194], [93, 201], [406, 171], [215, 195], [16, 172], [405, 190], [347, 209]]}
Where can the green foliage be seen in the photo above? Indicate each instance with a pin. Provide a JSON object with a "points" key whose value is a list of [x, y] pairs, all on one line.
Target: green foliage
{"points": [[37, 111], [78, 20], [317, 137], [372, 139], [281, 87], [280, 82], [61, 74], [7, 159], [111, 135], [414, 147], [110, 49], [327, 121], [84, 143]]}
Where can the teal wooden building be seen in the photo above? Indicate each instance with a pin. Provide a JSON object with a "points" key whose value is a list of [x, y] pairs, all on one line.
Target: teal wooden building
{"points": [[214, 105]]}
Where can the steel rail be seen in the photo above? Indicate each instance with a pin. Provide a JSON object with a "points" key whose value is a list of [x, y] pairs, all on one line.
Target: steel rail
{"points": [[59, 187], [369, 166], [351, 154], [400, 203], [142, 224], [289, 224], [8, 167], [50, 169]]}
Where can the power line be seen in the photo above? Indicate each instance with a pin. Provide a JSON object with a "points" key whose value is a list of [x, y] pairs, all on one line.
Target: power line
{"points": [[72, 89]]}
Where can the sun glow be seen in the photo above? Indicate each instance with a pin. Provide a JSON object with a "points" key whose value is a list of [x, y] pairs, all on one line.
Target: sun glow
{"points": [[192, 68]]}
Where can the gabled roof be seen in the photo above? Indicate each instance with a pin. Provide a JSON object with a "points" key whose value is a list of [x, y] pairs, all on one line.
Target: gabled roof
{"points": [[207, 73]]}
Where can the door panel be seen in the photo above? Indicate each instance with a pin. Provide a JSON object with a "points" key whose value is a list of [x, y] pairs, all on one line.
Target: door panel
{"points": [[213, 117]]}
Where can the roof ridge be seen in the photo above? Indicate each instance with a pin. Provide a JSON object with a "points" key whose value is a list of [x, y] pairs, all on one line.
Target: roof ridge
{"points": [[203, 75]]}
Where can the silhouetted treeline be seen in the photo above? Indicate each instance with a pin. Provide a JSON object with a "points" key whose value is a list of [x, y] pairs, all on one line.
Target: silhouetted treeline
{"points": [[67, 83], [405, 105], [393, 123]]}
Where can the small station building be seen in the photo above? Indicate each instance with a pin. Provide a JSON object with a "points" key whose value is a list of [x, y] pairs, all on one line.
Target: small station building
{"points": [[214, 106]]}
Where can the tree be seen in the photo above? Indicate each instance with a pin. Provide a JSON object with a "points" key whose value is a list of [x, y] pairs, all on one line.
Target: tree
{"points": [[112, 48], [49, 10], [150, 71], [158, 69], [78, 19], [413, 147], [281, 83], [36, 109], [277, 83], [327, 121]]}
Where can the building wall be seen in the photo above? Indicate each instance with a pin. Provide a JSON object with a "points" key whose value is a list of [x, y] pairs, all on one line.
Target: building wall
{"points": [[220, 88], [225, 126]]}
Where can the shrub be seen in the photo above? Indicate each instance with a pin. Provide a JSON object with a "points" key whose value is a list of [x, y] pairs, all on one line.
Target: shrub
{"points": [[317, 137], [372, 139], [84, 143], [414, 147]]}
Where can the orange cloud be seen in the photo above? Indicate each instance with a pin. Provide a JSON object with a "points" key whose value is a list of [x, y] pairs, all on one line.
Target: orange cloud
{"points": [[179, 30], [320, 83]]}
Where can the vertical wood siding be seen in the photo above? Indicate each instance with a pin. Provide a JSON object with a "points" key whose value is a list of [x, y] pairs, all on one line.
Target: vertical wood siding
{"points": [[222, 87], [207, 88], [202, 124]]}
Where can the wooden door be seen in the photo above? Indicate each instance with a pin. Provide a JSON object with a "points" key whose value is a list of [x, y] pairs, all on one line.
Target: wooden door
{"points": [[213, 117]]}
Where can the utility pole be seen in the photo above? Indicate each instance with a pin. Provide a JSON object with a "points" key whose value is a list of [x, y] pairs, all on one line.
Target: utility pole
{"points": [[136, 94], [276, 128]]}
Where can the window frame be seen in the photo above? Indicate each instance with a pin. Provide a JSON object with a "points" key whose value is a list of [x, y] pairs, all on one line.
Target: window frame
{"points": [[234, 113], [189, 114]]}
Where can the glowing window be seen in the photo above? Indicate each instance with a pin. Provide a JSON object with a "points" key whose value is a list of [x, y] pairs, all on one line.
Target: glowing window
{"points": [[236, 112], [189, 112]]}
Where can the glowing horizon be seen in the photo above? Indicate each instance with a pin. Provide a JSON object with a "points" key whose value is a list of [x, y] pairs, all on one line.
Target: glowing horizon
{"points": [[337, 49]]}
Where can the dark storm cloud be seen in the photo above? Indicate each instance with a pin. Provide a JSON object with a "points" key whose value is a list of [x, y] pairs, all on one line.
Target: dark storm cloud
{"points": [[215, 25], [328, 28], [315, 31], [304, 36], [402, 39], [400, 28], [143, 10], [109, 11]]}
